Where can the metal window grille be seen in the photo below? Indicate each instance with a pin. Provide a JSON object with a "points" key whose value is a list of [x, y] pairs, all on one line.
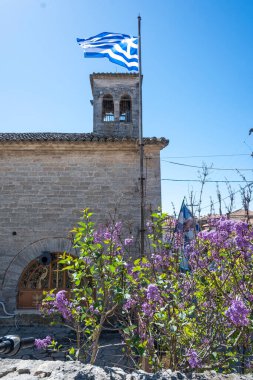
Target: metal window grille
{"points": [[108, 109], [125, 109], [37, 278]]}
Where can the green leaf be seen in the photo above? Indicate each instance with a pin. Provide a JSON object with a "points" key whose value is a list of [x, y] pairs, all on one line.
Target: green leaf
{"points": [[112, 268], [188, 331], [214, 354], [182, 315], [72, 351]]}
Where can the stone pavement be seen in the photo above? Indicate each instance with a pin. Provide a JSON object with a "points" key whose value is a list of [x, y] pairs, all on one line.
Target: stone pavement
{"points": [[110, 354]]}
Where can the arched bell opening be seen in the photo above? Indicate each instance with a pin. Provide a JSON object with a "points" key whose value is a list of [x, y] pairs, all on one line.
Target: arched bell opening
{"points": [[107, 108], [125, 109], [42, 274]]}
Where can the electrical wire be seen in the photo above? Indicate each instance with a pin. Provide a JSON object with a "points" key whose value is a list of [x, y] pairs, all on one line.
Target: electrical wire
{"points": [[201, 167], [223, 199], [212, 155], [197, 180]]}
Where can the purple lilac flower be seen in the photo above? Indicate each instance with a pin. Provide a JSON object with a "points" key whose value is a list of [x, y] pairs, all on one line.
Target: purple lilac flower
{"points": [[153, 293], [129, 304], [186, 285], [228, 234], [145, 264], [42, 344], [110, 233], [238, 313], [157, 259], [147, 309], [93, 310], [129, 241], [107, 235], [87, 260], [48, 307], [250, 297], [248, 364], [150, 226], [118, 227], [129, 267], [143, 335], [97, 237], [62, 304], [193, 358]]}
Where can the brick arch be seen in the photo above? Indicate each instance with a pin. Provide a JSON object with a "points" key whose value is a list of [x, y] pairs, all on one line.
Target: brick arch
{"points": [[23, 258]]}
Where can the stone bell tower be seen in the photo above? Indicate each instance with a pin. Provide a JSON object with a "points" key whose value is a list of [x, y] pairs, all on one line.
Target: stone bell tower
{"points": [[115, 104]]}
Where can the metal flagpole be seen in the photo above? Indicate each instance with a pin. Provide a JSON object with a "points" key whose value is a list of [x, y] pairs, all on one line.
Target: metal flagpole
{"points": [[141, 145]]}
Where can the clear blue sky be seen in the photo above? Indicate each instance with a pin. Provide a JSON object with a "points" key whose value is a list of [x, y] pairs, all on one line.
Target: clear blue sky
{"points": [[197, 66]]}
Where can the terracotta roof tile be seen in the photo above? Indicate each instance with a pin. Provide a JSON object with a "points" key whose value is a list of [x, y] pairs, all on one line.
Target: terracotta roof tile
{"points": [[74, 137]]}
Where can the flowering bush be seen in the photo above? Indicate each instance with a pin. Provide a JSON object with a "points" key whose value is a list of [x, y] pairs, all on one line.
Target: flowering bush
{"points": [[237, 313], [222, 273], [42, 344], [183, 320], [199, 319], [158, 308], [97, 278]]}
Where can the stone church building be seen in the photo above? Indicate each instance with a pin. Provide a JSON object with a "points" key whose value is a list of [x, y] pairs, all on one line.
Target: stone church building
{"points": [[46, 179]]}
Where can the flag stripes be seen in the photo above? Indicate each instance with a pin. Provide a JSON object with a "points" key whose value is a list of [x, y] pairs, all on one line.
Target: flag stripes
{"points": [[118, 48]]}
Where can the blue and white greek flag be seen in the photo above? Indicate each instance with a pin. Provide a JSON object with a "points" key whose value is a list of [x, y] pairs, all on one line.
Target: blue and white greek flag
{"points": [[118, 48], [187, 225]]}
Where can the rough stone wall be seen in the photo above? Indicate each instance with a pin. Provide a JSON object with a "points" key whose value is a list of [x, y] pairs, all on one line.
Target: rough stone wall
{"points": [[72, 370], [117, 87], [111, 362], [44, 187]]}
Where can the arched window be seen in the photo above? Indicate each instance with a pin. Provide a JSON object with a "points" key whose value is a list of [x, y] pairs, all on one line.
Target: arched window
{"points": [[125, 109], [108, 108], [41, 276]]}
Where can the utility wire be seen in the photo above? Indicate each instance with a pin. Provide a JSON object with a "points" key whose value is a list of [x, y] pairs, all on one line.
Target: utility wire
{"points": [[200, 167], [197, 180], [223, 199], [212, 155]]}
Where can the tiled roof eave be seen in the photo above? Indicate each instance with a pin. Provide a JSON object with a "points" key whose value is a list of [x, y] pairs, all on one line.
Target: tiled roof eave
{"points": [[17, 138]]}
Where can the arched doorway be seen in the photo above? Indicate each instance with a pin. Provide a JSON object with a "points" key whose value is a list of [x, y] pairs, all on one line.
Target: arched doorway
{"points": [[39, 276]]}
